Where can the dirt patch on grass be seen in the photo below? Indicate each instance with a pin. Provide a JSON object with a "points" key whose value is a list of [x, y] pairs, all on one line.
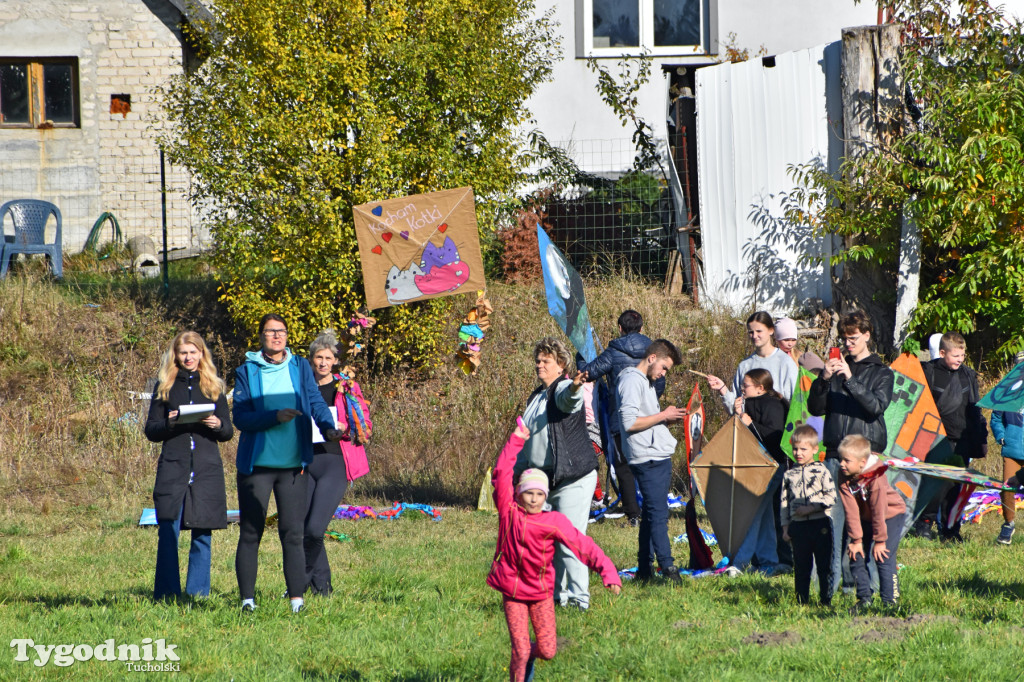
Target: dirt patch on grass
{"points": [[773, 638], [888, 628], [683, 625]]}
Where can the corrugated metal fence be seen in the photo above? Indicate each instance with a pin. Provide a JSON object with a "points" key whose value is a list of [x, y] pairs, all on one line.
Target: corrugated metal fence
{"points": [[755, 119]]}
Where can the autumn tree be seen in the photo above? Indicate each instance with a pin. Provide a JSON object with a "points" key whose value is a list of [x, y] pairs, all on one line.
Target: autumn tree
{"points": [[955, 168], [301, 109]]}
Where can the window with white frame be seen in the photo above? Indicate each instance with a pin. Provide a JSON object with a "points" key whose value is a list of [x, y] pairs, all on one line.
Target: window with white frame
{"points": [[39, 93], [610, 28]]}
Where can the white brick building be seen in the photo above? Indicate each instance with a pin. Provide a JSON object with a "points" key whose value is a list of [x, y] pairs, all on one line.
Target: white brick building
{"points": [[77, 111]]}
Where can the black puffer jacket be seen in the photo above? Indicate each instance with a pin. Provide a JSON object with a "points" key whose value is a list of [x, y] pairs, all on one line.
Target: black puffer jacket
{"points": [[768, 414], [205, 501], [854, 405], [625, 351], [956, 395]]}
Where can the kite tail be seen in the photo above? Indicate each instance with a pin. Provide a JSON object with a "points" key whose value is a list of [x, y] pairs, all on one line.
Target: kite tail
{"points": [[957, 509], [356, 419], [700, 553]]}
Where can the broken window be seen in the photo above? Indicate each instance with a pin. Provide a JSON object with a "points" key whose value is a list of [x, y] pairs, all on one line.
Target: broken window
{"points": [[39, 93]]}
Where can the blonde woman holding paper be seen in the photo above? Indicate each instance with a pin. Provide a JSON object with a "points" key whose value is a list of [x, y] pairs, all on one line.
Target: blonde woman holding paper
{"points": [[189, 489]]}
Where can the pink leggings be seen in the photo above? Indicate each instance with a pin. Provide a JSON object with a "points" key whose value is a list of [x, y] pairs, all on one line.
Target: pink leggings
{"points": [[519, 615]]}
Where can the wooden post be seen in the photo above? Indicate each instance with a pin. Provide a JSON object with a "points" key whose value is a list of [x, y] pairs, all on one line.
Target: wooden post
{"points": [[873, 112]]}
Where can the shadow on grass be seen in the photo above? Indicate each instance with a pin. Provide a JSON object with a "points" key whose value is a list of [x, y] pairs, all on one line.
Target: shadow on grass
{"points": [[57, 601], [136, 596], [981, 586]]}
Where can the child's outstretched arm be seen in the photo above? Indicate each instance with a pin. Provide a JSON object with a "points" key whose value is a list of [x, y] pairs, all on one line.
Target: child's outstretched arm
{"points": [[501, 477], [587, 551]]}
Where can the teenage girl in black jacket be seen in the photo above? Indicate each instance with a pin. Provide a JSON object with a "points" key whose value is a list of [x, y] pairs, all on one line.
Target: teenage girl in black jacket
{"points": [[189, 489], [764, 412]]}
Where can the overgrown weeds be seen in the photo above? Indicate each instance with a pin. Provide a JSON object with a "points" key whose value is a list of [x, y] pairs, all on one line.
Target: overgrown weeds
{"points": [[73, 351]]}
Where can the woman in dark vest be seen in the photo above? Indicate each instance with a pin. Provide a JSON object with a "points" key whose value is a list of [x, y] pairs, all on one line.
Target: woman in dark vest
{"points": [[559, 445], [189, 489]]}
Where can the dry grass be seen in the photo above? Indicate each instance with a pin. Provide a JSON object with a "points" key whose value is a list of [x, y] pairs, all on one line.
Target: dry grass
{"points": [[68, 428], [436, 437], [69, 354]]}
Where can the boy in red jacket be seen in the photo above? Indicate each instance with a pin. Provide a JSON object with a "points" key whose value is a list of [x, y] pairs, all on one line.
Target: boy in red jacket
{"points": [[874, 520], [522, 569]]}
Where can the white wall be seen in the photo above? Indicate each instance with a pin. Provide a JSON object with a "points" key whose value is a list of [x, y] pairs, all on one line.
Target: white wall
{"points": [[569, 109], [111, 162]]}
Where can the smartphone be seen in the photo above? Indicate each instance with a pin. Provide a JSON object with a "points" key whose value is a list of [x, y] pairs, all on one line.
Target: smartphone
{"points": [[835, 354]]}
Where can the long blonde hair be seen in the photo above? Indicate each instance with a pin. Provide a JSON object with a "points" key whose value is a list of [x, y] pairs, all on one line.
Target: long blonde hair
{"points": [[209, 383]]}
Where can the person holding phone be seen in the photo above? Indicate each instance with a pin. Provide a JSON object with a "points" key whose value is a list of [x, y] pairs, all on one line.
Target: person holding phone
{"points": [[272, 388], [852, 393]]}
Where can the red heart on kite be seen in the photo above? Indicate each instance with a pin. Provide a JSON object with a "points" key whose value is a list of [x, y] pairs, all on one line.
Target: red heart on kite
{"points": [[387, 237], [376, 249], [444, 226]]}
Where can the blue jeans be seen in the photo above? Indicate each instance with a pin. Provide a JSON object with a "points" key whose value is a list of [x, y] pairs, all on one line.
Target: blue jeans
{"points": [[841, 572], [760, 543], [654, 479], [168, 579], [887, 581]]}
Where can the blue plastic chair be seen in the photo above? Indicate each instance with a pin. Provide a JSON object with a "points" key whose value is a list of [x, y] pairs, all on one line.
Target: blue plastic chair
{"points": [[30, 217]]}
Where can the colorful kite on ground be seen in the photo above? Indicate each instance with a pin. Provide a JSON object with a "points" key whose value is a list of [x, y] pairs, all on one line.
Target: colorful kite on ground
{"points": [[732, 474], [419, 246], [799, 414], [566, 301], [984, 502]]}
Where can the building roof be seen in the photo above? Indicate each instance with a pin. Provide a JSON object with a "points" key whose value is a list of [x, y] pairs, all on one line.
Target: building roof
{"points": [[193, 10]]}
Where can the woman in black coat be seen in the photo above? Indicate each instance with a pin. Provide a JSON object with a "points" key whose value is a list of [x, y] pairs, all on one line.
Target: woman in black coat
{"points": [[189, 489]]}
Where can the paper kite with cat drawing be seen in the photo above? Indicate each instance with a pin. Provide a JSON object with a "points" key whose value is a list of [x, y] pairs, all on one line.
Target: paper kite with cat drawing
{"points": [[420, 246]]}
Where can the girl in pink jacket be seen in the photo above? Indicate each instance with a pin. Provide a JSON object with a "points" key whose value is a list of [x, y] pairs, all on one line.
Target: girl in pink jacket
{"points": [[522, 569]]}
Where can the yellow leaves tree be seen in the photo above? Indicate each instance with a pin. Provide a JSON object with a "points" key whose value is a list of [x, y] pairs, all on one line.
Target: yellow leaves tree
{"points": [[301, 109]]}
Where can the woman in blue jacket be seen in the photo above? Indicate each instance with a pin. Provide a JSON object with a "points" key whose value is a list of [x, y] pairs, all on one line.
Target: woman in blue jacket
{"points": [[275, 396], [1008, 430]]}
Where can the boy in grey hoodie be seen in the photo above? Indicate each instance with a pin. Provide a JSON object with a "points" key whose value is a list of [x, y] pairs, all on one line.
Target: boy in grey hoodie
{"points": [[648, 448]]}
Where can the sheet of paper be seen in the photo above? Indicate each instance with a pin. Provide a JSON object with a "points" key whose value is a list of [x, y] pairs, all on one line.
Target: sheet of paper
{"points": [[317, 436], [189, 414]]}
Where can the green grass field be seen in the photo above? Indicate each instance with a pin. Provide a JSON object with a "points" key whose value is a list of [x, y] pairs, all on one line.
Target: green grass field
{"points": [[410, 603], [410, 600]]}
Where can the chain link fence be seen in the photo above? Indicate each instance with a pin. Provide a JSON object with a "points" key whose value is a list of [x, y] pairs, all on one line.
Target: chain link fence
{"points": [[121, 200], [612, 219]]}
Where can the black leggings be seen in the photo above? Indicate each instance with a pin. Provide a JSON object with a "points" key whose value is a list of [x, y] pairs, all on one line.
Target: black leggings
{"points": [[327, 485], [289, 487], [812, 544]]}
